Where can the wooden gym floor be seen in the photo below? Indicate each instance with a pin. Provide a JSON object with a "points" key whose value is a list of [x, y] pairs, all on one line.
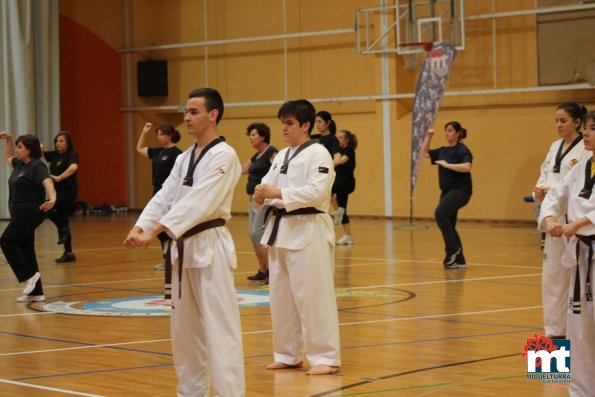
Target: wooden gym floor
{"points": [[408, 327]]}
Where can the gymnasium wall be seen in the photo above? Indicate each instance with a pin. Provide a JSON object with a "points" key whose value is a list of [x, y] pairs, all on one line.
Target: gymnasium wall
{"points": [[509, 134], [91, 97]]}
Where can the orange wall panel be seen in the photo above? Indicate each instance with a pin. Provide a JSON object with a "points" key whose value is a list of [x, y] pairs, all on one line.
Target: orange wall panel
{"points": [[90, 95]]}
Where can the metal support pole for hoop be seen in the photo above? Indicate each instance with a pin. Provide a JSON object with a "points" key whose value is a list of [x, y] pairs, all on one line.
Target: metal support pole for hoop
{"points": [[410, 225]]}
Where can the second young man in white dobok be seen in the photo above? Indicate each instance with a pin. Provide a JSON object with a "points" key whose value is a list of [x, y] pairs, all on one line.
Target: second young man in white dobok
{"points": [[301, 238]]}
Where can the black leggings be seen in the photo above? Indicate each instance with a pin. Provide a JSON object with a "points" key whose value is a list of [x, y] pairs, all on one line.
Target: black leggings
{"points": [[60, 214], [342, 202], [446, 217], [18, 245]]}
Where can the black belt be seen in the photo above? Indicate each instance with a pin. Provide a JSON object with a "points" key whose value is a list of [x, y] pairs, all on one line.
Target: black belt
{"points": [[201, 227], [280, 213], [576, 296]]}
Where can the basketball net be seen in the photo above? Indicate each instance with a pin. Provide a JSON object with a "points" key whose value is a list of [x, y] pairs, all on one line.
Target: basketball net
{"points": [[414, 54]]}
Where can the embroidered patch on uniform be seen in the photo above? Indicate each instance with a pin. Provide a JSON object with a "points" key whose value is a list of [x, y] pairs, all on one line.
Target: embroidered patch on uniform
{"points": [[323, 170], [573, 162]]}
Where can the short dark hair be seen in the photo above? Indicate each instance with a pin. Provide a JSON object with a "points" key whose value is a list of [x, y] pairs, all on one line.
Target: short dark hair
{"points": [[590, 116], [213, 99], [301, 109], [31, 143], [170, 130], [68, 138], [458, 128], [262, 129]]}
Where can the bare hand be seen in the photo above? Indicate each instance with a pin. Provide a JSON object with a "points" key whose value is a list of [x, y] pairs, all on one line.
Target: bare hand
{"points": [[258, 198], [569, 229], [47, 205], [5, 135], [443, 163], [132, 240], [147, 127], [538, 192], [554, 228], [267, 191]]}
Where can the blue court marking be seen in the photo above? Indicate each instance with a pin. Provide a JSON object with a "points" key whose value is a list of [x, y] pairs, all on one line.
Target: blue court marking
{"points": [[83, 343], [106, 305]]}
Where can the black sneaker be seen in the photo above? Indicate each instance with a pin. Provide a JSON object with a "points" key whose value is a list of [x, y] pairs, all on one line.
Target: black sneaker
{"points": [[66, 257], [259, 277], [455, 266], [452, 258]]}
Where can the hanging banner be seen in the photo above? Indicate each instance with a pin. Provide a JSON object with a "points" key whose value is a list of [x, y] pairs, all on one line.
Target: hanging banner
{"points": [[428, 94]]}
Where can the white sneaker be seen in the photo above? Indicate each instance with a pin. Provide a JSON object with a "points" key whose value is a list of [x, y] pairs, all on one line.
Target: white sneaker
{"points": [[30, 284], [345, 240], [160, 266], [338, 215], [31, 298]]}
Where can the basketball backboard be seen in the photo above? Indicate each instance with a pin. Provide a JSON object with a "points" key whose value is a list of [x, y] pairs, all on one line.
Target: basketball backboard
{"points": [[399, 27]]}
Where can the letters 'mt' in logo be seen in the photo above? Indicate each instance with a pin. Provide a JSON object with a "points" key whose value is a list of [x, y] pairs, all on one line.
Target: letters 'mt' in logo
{"points": [[540, 351]]}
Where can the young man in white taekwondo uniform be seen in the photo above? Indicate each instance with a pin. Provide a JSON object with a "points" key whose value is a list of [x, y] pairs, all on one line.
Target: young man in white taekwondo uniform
{"points": [[192, 207], [301, 238]]}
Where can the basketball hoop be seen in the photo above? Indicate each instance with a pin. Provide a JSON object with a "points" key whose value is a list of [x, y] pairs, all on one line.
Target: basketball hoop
{"points": [[414, 54]]}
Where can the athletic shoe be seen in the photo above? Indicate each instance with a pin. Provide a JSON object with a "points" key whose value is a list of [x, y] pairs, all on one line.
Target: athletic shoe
{"points": [[160, 266], [455, 266], [31, 298], [30, 284], [338, 215], [452, 258], [345, 240], [259, 278], [66, 257]]}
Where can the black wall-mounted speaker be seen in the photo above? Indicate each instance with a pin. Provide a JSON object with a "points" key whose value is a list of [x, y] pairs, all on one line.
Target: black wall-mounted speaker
{"points": [[152, 78]]}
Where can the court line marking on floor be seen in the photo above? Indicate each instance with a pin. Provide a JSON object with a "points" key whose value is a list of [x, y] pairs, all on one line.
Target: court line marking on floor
{"points": [[84, 347], [414, 371], [24, 314], [460, 280], [11, 382], [266, 355], [270, 330], [59, 285], [353, 288]]}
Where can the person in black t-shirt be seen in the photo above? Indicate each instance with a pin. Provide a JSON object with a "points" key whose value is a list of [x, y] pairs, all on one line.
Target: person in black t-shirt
{"points": [[454, 176], [163, 159], [326, 136], [63, 163], [257, 167], [28, 186], [345, 182]]}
